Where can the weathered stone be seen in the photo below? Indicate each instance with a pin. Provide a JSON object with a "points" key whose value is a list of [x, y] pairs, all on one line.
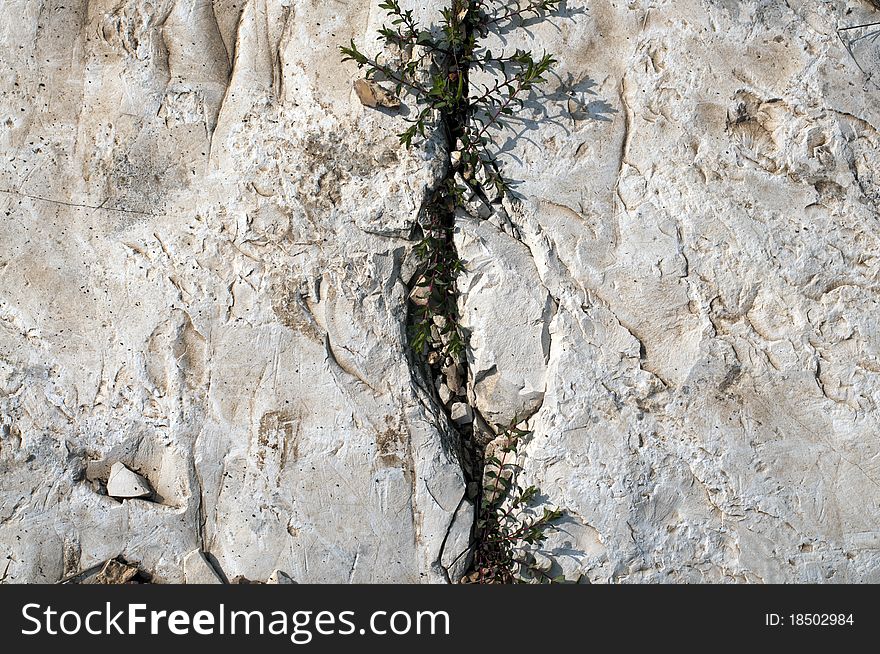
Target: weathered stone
{"points": [[373, 95], [279, 577], [706, 226], [125, 483], [206, 255], [461, 413], [197, 570], [454, 376], [420, 293], [508, 312], [202, 250], [115, 572], [241, 580]]}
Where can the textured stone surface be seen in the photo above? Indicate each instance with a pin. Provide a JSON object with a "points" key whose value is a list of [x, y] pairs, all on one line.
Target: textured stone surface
{"points": [[204, 258], [279, 577], [201, 260], [501, 286], [197, 570], [703, 210], [125, 483]]}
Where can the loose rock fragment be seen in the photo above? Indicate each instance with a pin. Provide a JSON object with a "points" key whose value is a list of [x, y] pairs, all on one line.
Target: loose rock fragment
{"points": [[372, 95], [124, 483], [197, 570], [241, 580], [420, 293], [115, 572], [279, 577], [453, 374], [461, 414]]}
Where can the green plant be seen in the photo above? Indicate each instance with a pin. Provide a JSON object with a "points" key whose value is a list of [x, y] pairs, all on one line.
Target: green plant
{"points": [[436, 291], [507, 528], [432, 65]]}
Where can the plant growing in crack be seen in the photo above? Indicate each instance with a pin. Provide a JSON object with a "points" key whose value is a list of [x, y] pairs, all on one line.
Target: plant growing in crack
{"points": [[508, 529], [433, 66]]}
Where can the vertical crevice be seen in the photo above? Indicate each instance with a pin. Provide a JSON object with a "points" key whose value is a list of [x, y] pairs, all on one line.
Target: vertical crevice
{"points": [[434, 65], [440, 349]]}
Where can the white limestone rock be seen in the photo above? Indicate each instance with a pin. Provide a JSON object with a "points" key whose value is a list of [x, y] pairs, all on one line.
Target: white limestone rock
{"points": [[124, 483], [704, 214], [205, 254], [507, 312], [461, 413], [197, 570], [279, 577], [203, 241]]}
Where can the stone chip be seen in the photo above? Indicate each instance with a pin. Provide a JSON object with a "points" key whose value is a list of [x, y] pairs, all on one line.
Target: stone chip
{"points": [[461, 414], [197, 570], [124, 483]]}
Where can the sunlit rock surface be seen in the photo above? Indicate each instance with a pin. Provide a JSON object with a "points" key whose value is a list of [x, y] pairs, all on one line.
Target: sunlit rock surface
{"points": [[201, 262], [204, 262]]}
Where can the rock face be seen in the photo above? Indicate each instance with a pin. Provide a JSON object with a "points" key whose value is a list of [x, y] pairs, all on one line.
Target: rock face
{"points": [[702, 208], [502, 287], [202, 261], [205, 258]]}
